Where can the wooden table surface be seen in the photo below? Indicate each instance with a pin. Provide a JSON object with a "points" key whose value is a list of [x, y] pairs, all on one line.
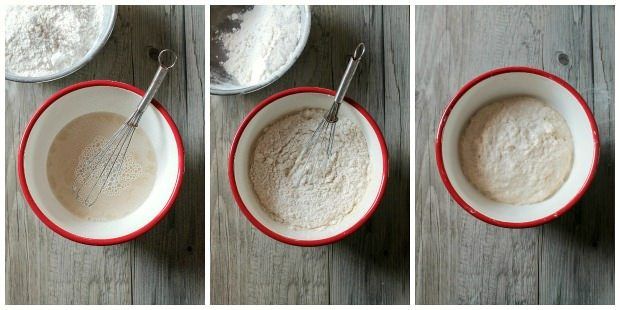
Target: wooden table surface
{"points": [[372, 265], [462, 260], [164, 266]]}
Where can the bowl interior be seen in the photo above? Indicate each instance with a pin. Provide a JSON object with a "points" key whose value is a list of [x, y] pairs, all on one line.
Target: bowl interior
{"points": [[510, 84], [271, 113], [107, 25], [221, 82], [89, 100]]}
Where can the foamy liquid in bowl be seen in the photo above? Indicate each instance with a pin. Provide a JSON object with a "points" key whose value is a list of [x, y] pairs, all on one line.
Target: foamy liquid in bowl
{"points": [[67, 168]]}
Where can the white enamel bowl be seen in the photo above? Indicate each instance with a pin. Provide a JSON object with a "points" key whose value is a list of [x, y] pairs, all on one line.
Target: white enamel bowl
{"points": [[70, 103], [267, 112], [510, 81]]}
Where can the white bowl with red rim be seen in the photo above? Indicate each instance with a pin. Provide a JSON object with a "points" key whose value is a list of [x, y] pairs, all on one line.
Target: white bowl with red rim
{"points": [[506, 82], [84, 98], [270, 110]]}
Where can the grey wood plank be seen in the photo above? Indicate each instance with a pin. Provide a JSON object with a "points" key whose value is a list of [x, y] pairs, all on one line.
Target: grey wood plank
{"points": [[42, 267], [578, 250], [459, 259], [462, 260], [248, 267], [372, 266], [168, 265]]}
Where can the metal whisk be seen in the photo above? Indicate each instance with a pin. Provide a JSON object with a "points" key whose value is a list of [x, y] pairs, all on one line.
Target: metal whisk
{"points": [[331, 116], [109, 159]]}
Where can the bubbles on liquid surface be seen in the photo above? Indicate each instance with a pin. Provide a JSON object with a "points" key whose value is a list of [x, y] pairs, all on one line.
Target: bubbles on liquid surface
{"points": [[120, 178]]}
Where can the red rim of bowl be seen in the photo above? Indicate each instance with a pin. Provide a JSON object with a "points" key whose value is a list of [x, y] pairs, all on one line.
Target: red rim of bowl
{"points": [[265, 229], [439, 158], [35, 208]]}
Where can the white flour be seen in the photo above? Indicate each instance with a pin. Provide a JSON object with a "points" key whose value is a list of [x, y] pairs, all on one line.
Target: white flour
{"points": [[263, 43], [318, 191], [44, 39]]}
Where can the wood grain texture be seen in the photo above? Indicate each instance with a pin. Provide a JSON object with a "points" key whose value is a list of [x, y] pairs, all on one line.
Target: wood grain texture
{"points": [[578, 249], [372, 265], [461, 260], [164, 266]]}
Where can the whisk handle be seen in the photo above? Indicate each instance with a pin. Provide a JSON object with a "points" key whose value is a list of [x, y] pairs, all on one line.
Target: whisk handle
{"points": [[167, 59], [349, 72]]}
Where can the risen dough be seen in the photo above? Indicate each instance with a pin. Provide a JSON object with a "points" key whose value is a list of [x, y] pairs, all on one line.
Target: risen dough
{"points": [[516, 150]]}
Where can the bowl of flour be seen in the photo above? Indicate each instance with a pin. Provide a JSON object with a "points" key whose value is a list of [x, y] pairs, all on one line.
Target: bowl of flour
{"points": [[517, 147], [307, 199], [47, 42], [253, 46]]}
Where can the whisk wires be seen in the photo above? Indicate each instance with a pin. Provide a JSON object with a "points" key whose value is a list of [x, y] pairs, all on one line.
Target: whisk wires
{"points": [[106, 166]]}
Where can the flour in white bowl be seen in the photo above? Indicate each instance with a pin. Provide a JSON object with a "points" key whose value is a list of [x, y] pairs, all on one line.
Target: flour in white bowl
{"points": [[315, 191], [517, 150], [263, 43], [45, 39]]}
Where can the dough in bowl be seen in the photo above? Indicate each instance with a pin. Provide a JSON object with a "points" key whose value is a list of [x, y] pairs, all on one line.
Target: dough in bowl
{"points": [[516, 150]]}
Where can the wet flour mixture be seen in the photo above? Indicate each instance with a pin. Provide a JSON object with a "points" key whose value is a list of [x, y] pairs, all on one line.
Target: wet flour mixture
{"points": [[315, 192]]}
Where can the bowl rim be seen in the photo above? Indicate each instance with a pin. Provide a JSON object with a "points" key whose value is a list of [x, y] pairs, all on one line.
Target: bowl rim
{"points": [[48, 222], [301, 45], [76, 66], [505, 70], [292, 241]]}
